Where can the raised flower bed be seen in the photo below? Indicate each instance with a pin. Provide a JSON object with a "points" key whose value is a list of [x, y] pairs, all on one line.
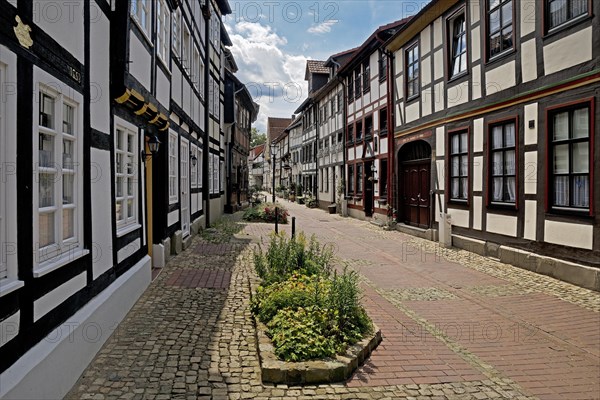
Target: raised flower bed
{"points": [[310, 323]]}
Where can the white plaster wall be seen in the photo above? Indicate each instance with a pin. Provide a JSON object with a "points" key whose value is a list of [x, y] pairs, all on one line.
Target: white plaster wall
{"points": [[56, 297], [413, 111], [528, 61], [51, 368], [425, 40], [475, 44], [530, 171], [439, 97], [478, 174], [437, 32], [476, 81], [128, 250], [438, 64], [531, 114], [478, 135], [140, 61], [440, 141], [477, 206], [459, 217], [567, 234], [427, 98], [62, 21], [441, 174], [500, 78], [474, 10], [101, 204], [425, 71], [173, 217], [527, 16], [458, 94], [9, 328], [530, 219], [568, 51], [100, 74], [163, 88], [439, 200], [176, 85], [501, 224]]}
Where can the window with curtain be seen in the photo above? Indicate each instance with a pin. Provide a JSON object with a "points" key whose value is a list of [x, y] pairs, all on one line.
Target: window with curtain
{"points": [[173, 168], [458, 50], [176, 26], [350, 179], [366, 75], [500, 26], [359, 178], [459, 166], [503, 161], [162, 29], [140, 9], [412, 71], [58, 175], [126, 177], [382, 66], [357, 83], [350, 88], [570, 157], [559, 12]]}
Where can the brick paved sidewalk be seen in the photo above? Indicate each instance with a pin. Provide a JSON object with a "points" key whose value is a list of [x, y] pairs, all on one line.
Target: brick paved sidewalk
{"points": [[456, 326]]}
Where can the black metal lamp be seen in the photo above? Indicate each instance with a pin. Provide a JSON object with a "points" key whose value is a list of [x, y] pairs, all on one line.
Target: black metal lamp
{"points": [[193, 159], [153, 146]]}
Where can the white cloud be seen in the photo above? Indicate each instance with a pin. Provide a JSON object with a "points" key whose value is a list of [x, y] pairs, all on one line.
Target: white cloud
{"points": [[323, 27], [274, 77]]}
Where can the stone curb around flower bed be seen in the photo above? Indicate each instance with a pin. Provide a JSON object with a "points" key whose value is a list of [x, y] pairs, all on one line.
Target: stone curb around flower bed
{"points": [[330, 370]]}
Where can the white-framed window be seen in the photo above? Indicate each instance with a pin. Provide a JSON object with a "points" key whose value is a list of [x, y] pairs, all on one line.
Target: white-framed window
{"points": [[195, 69], [126, 172], [199, 167], [211, 94], [57, 157], [211, 183], [3, 241], [194, 168], [221, 176], [140, 9], [176, 32], [185, 48], [162, 29], [201, 78], [173, 167], [215, 31]]}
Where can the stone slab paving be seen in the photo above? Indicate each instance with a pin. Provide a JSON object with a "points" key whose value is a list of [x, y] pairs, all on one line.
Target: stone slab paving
{"points": [[191, 342]]}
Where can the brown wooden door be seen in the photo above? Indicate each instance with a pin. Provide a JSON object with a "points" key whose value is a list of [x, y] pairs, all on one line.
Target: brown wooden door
{"points": [[415, 193]]}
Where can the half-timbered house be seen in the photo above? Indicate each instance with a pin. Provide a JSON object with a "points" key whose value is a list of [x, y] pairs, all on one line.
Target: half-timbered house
{"points": [[495, 129]]}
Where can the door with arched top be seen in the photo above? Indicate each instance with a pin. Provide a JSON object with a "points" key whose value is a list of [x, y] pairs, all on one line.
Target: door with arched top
{"points": [[414, 186]]}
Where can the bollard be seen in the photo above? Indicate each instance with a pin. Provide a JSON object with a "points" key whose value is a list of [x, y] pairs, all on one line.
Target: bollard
{"points": [[276, 219], [293, 226]]}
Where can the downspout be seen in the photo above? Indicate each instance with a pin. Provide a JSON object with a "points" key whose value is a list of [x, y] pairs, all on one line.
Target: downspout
{"points": [[206, 142], [344, 126], [391, 131], [316, 185]]}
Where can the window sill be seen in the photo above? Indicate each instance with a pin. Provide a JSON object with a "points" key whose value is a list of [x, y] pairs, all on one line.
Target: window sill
{"points": [[63, 260], [566, 25], [128, 229], [164, 64], [458, 77], [412, 98], [501, 56], [10, 286], [142, 30], [582, 214]]}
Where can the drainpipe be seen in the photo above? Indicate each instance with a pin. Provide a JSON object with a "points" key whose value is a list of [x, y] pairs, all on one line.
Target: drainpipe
{"points": [[391, 128], [206, 141], [344, 127], [316, 184]]}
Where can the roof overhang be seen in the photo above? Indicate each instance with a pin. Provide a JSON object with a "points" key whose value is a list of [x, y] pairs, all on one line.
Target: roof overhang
{"points": [[420, 21]]}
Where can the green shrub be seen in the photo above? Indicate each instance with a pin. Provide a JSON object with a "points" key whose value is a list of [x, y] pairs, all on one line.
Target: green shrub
{"points": [[302, 334], [285, 257], [344, 299], [265, 212], [298, 291]]}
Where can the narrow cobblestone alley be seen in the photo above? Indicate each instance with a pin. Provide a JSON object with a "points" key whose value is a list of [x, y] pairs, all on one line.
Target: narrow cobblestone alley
{"points": [[455, 325]]}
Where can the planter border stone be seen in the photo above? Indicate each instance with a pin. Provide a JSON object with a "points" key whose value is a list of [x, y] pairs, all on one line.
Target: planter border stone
{"points": [[328, 370]]}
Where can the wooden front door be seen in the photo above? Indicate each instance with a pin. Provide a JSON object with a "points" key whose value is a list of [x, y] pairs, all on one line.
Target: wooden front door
{"points": [[368, 185], [415, 193]]}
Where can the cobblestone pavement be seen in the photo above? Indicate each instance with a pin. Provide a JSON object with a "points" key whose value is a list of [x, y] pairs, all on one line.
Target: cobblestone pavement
{"points": [[455, 325]]}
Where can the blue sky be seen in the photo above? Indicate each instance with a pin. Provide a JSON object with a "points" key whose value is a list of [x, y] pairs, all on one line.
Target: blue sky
{"points": [[273, 39]]}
